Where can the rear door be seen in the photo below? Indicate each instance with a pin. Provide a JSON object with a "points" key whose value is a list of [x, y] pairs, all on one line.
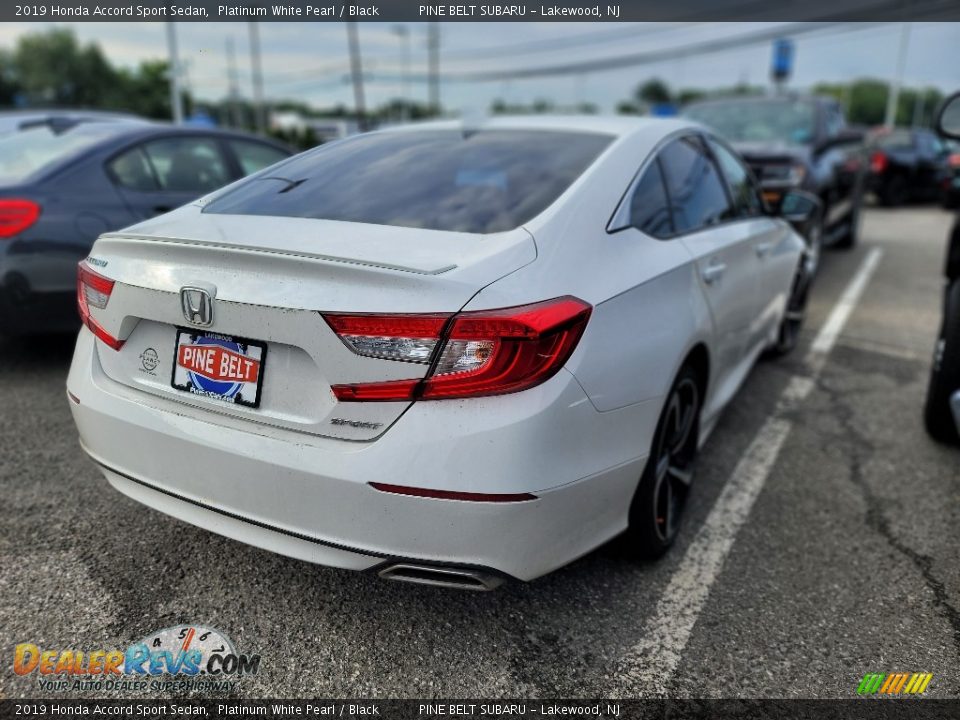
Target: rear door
{"points": [[158, 175], [776, 265], [726, 259]]}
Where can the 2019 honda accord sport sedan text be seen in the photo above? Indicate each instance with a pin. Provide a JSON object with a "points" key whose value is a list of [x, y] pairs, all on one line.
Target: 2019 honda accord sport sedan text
{"points": [[447, 354]]}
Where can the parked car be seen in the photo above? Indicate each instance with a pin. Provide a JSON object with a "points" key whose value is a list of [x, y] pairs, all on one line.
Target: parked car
{"points": [[942, 408], [951, 185], [907, 164], [61, 185], [797, 142], [448, 356]]}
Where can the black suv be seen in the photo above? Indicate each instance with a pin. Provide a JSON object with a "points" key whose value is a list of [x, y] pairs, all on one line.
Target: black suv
{"points": [[797, 142]]}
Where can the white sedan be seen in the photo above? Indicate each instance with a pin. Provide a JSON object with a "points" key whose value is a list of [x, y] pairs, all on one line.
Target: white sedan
{"points": [[446, 354]]}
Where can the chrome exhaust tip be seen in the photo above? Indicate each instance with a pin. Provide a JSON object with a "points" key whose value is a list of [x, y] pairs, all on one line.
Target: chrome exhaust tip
{"points": [[439, 576]]}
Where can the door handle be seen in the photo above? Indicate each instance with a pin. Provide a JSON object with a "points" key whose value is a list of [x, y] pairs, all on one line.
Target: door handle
{"points": [[763, 249], [713, 272]]}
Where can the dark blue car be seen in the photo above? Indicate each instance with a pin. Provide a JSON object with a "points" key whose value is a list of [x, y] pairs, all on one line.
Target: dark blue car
{"points": [[63, 185]]}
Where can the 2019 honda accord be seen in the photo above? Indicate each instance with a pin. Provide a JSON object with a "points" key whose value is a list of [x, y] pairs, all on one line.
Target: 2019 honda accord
{"points": [[446, 353]]}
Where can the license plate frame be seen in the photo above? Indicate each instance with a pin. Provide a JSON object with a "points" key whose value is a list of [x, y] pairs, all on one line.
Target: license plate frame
{"points": [[182, 378]]}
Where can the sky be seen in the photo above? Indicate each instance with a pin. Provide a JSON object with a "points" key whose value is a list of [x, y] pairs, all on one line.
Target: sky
{"points": [[309, 61]]}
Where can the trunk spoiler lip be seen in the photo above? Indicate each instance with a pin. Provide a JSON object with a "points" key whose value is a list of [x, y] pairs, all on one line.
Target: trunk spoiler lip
{"points": [[272, 251]]}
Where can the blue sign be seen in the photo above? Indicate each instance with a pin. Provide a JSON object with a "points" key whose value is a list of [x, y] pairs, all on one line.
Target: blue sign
{"points": [[782, 59]]}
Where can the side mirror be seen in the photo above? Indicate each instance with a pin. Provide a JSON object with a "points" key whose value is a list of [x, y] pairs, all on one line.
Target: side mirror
{"points": [[800, 209], [948, 119]]}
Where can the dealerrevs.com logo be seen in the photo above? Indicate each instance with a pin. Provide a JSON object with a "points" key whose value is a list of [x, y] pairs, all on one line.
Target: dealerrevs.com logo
{"points": [[181, 658]]}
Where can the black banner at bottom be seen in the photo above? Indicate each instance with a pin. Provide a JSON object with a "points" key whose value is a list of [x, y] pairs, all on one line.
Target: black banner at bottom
{"points": [[855, 709]]}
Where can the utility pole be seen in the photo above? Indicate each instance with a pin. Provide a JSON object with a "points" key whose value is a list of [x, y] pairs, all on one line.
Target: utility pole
{"points": [[433, 62], [919, 107], [893, 97], [403, 32], [233, 90], [356, 73], [256, 71], [176, 99]]}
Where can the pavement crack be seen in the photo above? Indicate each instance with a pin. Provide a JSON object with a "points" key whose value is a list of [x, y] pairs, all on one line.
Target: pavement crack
{"points": [[875, 519]]}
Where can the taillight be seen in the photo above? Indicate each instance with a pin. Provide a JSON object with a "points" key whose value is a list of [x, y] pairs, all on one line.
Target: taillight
{"points": [[94, 290], [878, 162], [17, 215], [954, 160], [471, 354]]}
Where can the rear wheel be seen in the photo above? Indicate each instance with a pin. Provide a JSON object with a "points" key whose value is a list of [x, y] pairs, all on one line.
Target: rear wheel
{"points": [[658, 503], [852, 233], [945, 374]]}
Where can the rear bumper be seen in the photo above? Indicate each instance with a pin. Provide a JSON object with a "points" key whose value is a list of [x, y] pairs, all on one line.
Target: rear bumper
{"points": [[310, 497]]}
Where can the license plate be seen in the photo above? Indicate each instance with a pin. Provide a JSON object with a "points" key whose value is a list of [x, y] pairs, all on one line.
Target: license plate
{"points": [[221, 367]]}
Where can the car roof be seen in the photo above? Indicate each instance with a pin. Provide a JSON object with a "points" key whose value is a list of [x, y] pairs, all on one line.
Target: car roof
{"points": [[617, 125]]}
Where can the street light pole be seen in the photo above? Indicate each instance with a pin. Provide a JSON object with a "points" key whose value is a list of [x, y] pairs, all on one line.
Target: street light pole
{"points": [[403, 32], [233, 87], [893, 97], [356, 73], [256, 70], [176, 99], [433, 50]]}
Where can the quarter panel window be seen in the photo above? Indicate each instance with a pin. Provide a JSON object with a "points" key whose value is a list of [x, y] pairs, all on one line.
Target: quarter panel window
{"points": [[131, 170], [649, 209], [697, 196]]}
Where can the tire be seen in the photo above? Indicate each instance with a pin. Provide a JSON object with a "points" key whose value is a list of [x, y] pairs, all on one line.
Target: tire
{"points": [[795, 314], [852, 235], [894, 192], [945, 374], [658, 503]]}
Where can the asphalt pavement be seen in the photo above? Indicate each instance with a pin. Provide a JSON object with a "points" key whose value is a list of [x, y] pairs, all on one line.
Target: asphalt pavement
{"points": [[843, 562]]}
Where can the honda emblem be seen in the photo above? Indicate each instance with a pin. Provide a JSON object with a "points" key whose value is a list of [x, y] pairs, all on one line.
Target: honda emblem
{"points": [[197, 305]]}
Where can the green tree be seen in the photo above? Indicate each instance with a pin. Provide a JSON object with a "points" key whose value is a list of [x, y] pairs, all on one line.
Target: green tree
{"points": [[654, 92], [52, 68], [8, 80], [146, 90]]}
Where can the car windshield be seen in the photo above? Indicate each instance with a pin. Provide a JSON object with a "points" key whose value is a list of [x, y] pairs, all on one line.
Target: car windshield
{"points": [[25, 153], [788, 121], [477, 182]]}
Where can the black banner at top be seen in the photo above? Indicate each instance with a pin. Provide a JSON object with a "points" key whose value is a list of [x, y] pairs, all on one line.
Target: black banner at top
{"points": [[516, 11]]}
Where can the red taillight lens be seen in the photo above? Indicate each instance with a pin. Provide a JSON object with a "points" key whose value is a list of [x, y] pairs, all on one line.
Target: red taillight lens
{"points": [[17, 215], [473, 354], [954, 160], [94, 290], [878, 162]]}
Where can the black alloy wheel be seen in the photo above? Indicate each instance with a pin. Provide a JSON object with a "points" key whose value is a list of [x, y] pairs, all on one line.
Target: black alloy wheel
{"points": [[665, 484]]}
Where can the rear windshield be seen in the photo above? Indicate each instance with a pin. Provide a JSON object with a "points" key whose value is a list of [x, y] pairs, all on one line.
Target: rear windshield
{"points": [[481, 182], [25, 153]]}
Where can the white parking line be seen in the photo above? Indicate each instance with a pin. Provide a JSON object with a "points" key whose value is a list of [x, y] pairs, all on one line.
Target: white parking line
{"points": [[648, 667]]}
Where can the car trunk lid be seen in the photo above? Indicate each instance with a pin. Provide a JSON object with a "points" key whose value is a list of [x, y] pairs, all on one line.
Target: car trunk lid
{"points": [[269, 280]]}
